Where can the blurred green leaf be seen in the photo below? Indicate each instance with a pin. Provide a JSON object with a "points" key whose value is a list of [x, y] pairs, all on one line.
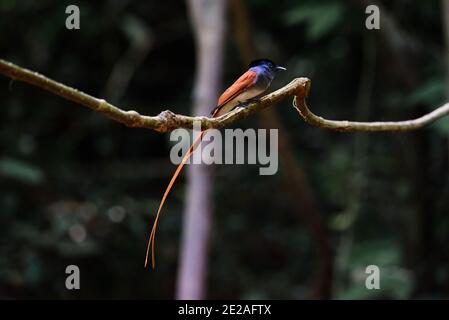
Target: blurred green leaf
{"points": [[430, 92], [136, 29], [342, 221], [441, 126], [20, 170], [395, 282], [321, 18]]}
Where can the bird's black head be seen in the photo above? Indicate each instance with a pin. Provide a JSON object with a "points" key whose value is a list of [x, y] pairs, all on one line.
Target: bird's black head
{"points": [[267, 63]]}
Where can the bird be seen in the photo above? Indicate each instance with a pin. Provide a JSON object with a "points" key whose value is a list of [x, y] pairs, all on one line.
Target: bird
{"points": [[248, 87]]}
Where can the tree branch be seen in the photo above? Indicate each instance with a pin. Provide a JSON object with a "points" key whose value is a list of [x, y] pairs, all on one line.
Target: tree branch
{"points": [[167, 121], [354, 126], [164, 122]]}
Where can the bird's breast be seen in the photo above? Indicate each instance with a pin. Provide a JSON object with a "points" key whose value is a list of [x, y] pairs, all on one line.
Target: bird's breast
{"points": [[260, 85]]}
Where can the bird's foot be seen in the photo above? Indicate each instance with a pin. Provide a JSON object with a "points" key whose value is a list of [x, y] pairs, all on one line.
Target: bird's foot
{"points": [[246, 103], [252, 100]]}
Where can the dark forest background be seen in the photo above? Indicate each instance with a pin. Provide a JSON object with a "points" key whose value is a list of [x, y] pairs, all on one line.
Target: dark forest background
{"points": [[78, 188]]}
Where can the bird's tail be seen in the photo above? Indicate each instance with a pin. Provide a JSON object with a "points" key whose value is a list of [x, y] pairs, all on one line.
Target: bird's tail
{"points": [[189, 152]]}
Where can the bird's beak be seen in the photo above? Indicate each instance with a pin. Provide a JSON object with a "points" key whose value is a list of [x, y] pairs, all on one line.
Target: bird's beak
{"points": [[280, 68]]}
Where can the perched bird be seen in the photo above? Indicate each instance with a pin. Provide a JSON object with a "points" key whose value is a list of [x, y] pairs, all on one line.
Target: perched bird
{"points": [[249, 86]]}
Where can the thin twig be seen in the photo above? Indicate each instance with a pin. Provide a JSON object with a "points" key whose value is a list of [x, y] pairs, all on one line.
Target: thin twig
{"points": [[300, 104]]}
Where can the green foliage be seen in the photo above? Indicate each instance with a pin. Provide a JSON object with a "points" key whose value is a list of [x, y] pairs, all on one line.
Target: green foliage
{"points": [[395, 282], [321, 17], [432, 93]]}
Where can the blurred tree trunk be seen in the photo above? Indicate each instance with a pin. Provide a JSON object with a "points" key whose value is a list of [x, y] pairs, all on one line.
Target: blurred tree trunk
{"points": [[401, 56], [208, 22], [445, 17], [295, 182]]}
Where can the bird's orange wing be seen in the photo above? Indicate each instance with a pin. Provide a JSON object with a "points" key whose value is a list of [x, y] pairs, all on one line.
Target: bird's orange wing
{"points": [[240, 85]]}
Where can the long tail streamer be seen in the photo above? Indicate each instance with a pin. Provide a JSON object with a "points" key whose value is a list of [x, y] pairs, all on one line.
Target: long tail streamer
{"points": [[167, 191]]}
